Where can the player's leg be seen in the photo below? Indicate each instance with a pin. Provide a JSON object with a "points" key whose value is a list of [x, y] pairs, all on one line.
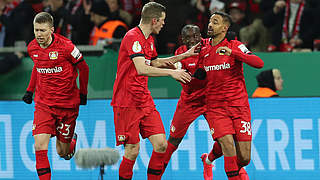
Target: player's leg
{"points": [[42, 162], [184, 115], [66, 138], [230, 157], [152, 128], [215, 153], [43, 128], [131, 152], [207, 160], [222, 129], [243, 137], [156, 163], [126, 121]]}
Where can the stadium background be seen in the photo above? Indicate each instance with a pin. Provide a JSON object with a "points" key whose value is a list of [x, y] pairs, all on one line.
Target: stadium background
{"points": [[286, 130]]}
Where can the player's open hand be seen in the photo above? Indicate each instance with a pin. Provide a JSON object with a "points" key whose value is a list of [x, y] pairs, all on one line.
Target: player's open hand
{"points": [[194, 50], [224, 51], [181, 75]]}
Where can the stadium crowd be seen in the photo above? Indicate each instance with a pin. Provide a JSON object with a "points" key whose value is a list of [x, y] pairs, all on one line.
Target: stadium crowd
{"points": [[263, 25]]}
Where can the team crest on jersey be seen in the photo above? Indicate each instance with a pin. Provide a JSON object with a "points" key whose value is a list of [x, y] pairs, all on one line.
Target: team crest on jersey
{"points": [[33, 127], [121, 138], [53, 55], [136, 47], [211, 131], [173, 129]]}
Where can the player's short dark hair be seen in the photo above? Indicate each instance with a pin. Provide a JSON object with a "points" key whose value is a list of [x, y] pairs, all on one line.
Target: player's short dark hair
{"points": [[189, 27], [226, 17], [151, 10], [43, 17]]}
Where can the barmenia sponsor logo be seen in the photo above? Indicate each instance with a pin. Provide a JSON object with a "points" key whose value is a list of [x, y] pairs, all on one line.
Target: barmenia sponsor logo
{"points": [[217, 67], [49, 70]]}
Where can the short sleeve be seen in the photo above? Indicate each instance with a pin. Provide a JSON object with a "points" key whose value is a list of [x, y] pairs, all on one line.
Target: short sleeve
{"points": [[240, 46], [134, 46]]}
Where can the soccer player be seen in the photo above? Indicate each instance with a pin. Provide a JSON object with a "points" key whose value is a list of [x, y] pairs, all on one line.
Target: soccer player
{"points": [[133, 106], [192, 99], [57, 97], [228, 111]]}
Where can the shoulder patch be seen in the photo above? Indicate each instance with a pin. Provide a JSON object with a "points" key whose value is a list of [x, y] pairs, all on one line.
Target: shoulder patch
{"points": [[76, 53], [136, 47]]}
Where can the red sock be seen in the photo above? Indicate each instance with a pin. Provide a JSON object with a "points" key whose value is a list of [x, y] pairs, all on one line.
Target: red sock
{"points": [[155, 166], [231, 167], [125, 169], [170, 150], [215, 153], [42, 165]]}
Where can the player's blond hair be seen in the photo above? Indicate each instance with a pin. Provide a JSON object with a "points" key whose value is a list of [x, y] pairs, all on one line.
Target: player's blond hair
{"points": [[151, 10], [43, 17]]}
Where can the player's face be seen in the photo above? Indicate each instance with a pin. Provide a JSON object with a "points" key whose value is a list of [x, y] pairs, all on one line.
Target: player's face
{"points": [[278, 81], [157, 24], [42, 33], [216, 26], [191, 37]]}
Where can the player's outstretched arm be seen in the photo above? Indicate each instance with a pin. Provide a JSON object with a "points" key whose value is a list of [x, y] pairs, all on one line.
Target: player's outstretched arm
{"points": [[246, 56], [27, 98], [83, 80], [145, 70], [169, 61]]}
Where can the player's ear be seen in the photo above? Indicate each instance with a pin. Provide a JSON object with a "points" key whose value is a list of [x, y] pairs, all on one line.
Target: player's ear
{"points": [[154, 21], [52, 29]]}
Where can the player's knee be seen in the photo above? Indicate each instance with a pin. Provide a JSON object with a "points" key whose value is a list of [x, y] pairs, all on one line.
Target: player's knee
{"points": [[161, 147], [132, 152], [40, 146]]}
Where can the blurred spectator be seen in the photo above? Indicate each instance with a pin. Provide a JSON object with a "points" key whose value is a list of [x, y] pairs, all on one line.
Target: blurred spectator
{"points": [[134, 8], [201, 14], [254, 35], [237, 11], [179, 12], [117, 13], [6, 6], [269, 81], [18, 23], [105, 27], [291, 23], [60, 11], [216, 5], [81, 25]]}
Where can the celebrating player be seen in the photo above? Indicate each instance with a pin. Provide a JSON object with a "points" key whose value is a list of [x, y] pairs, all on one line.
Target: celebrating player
{"points": [[192, 99], [133, 106], [57, 97], [228, 111]]}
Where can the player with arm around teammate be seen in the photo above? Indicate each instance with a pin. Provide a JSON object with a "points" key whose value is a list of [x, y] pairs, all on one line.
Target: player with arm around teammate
{"points": [[57, 97], [192, 99], [133, 106], [228, 111]]}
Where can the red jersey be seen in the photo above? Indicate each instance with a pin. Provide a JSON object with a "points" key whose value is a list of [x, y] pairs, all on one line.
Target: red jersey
{"points": [[56, 72], [194, 90], [226, 85], [131, 89]]}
